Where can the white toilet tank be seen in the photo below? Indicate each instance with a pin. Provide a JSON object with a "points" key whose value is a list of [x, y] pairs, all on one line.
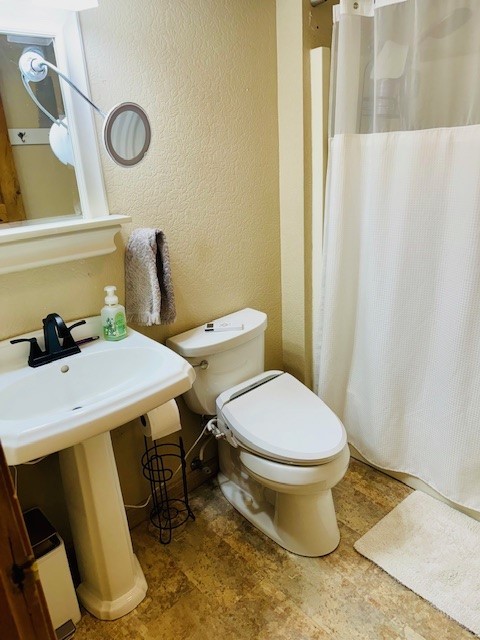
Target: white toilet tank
{"points": [[233, 355]]}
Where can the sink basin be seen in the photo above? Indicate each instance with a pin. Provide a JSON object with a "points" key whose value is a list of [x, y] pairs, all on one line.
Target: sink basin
{"points": [[70, 406], [62, 403]]}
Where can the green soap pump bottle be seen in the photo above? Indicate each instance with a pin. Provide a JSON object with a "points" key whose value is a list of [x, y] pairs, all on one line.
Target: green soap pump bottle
{"points": [[114, 322]]}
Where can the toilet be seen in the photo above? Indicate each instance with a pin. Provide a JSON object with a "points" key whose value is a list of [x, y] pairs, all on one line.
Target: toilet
{"points": [[281, 449]]}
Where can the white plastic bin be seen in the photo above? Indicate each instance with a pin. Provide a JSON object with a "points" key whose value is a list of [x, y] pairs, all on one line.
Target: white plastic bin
{"points": [[54, 573]]}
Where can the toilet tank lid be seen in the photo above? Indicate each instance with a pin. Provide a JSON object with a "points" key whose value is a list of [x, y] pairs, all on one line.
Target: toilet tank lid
{"points": [[198, 342]]}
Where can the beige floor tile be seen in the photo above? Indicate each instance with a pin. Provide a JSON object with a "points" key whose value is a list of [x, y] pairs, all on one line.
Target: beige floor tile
{"points": [[266, 613], [221, 578], [212, 565]]}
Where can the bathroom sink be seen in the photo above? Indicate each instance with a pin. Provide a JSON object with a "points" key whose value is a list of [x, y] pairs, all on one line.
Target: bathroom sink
{"points": [[62, 403], [70, 406]]}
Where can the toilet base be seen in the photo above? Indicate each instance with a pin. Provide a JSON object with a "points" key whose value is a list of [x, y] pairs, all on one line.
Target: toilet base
{"points": [[305, 525]]}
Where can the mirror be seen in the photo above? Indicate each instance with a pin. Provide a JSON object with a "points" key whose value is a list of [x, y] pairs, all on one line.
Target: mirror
{"points": [[59, 36], [34, 184], [126, 134], [89, 231]]}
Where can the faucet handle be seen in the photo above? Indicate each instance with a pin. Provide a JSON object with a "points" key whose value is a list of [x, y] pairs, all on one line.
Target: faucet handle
{"points": [[76, 324], [35, 354], [68, 340]]}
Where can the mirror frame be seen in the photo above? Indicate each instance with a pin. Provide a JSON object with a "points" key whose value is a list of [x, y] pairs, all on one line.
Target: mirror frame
{"points": [[34, 243]]}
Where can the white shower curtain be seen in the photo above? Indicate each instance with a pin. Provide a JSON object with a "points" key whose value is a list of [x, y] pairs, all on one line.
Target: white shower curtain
{"points": [[397, 354]]}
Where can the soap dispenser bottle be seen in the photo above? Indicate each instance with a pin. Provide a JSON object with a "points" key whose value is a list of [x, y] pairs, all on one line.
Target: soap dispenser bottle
{"points": [[114, 322]]}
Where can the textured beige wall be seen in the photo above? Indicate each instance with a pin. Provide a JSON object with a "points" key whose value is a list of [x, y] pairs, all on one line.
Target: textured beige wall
{"points": [[317, 24], [205, 70]]}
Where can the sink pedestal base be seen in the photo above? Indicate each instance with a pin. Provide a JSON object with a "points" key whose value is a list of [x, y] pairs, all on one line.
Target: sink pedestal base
{"points": [[113, 583]]}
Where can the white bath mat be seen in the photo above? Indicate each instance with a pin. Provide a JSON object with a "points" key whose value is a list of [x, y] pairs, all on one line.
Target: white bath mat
{"points": [[434, 551]]}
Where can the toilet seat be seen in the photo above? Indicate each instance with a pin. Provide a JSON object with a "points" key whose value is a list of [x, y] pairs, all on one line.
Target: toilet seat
{"points": [[296, 478], [277, 417]]}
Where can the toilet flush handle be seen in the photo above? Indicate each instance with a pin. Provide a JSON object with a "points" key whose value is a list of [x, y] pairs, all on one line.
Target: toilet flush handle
{"points": [[202, 365]]}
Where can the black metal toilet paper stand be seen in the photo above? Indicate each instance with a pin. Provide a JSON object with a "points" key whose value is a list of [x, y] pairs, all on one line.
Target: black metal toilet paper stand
{"points": [[160, 463]]}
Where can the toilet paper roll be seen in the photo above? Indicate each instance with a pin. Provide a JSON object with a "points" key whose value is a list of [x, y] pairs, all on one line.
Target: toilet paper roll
{"points": [[162, 421]]}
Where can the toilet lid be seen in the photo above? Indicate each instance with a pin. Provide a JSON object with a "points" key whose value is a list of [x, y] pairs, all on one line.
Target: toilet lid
{"points": [[283, 420]]}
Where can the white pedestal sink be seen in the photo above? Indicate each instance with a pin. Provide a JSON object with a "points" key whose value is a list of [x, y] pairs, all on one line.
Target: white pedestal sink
{"points": [[70, 406], [112, 580]]}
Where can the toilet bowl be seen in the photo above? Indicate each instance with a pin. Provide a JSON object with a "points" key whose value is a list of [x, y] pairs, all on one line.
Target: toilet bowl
{"points": [[302, 519], [281, 449]]}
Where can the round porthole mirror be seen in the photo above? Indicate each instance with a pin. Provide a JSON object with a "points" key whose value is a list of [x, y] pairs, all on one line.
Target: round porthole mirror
{"points": [[127, 134]]}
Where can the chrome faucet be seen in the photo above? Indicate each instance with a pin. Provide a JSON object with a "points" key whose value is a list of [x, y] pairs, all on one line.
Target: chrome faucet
{"points": [[59, 342]]}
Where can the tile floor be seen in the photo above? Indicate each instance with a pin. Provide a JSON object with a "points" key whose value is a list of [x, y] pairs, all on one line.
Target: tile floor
{"points": [[221, 578]]}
